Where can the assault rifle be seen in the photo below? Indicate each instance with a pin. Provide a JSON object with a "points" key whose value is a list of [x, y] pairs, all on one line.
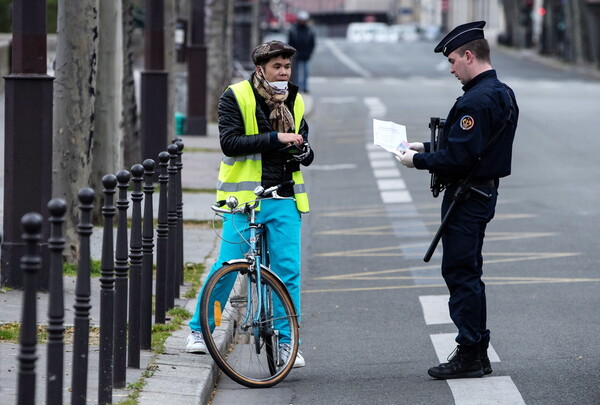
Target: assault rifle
{"points": [[436, 124]]}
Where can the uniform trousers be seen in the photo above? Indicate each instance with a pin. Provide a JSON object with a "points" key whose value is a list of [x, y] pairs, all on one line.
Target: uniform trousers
{"points": [[462, 264], [283, 222]]}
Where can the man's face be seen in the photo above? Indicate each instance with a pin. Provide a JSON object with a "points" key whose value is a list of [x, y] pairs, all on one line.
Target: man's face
{"points": [[277, 69], [459, 66]]}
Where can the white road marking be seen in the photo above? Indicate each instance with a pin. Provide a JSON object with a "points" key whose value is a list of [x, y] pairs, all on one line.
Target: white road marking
{"points": [[376, 108], [395, 197], [382, 163], [383, 173], [391, 184], [445, 343], [489, 390], [435, 309], [346, 60]]}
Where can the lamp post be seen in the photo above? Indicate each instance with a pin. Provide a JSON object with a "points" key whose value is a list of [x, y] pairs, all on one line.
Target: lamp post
{"points": [[27, 141], [154, 83], [197, 61]]}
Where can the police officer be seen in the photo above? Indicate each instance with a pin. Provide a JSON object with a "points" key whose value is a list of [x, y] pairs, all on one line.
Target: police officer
{"points": [[476, 144], [264, 139]]}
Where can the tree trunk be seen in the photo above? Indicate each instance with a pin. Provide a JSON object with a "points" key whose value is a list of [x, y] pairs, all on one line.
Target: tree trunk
{"points": [[129, 123], [108, 139], [74, 94], [219, 42], [170, 20]]}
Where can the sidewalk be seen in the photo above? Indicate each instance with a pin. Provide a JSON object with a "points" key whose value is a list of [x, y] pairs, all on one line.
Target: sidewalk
{"points": [[177, 376]]}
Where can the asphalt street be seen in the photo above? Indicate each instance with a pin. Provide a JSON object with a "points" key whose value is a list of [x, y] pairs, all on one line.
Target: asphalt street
{"points": [[374, 315]]}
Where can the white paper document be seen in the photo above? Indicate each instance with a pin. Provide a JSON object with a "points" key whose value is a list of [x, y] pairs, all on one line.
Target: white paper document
{"points": [[390, 136]]}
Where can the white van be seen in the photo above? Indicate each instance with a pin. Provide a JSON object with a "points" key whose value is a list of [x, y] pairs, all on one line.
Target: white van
{"points": [[368, 32]]}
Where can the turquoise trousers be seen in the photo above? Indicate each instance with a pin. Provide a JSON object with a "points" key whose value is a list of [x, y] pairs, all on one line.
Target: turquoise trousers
{"points": [[283, 222]]}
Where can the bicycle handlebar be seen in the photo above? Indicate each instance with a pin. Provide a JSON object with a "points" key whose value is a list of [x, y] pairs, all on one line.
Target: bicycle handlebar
{"points": [[260, 192]]}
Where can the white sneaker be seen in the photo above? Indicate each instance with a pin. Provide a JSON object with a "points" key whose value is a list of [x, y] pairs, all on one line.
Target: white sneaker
{"points": [[195, 343], [284, 352]]}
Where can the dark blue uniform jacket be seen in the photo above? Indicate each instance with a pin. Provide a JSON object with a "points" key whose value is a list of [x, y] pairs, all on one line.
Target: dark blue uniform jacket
{"points": [[486, 110]]}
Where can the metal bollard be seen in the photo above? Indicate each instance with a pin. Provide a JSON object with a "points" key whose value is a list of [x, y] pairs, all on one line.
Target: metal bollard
{"points": [[82, 300], [148, 259], [161, 242], [135, 270], [172, 273], [107, 294], [121, 270], [31, 263], [179, 267], [56, 307]]}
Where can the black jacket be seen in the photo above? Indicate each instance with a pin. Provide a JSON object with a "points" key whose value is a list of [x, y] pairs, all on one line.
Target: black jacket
{"points": [[234, 142], [302, 37]]}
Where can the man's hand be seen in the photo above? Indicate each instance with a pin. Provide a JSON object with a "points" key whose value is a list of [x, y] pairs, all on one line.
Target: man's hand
{"points": [[407, 158], [288, 138], [417, 146]]}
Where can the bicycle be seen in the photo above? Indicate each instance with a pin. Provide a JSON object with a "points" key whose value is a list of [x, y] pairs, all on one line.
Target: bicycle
{"points": [[259, 314]]}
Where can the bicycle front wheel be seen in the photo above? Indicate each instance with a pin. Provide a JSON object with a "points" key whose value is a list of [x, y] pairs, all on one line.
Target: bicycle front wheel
{"points": [[246, 335]]}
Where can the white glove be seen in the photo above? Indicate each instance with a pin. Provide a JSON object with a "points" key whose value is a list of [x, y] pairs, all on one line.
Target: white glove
{"points": [[417, 146], [407, 158]]}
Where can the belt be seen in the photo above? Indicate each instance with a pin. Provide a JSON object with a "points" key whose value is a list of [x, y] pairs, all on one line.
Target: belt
{"points": [[479, 183], [483, 183]]}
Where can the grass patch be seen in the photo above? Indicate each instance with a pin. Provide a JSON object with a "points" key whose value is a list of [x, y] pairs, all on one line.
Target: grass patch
{"points": [[11, 332], [161, 332], [199, 149], [198, 190], [70, 269]]}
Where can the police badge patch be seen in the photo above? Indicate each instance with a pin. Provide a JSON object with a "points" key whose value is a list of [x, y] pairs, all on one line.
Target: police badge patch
{"points": [[467, 122]]}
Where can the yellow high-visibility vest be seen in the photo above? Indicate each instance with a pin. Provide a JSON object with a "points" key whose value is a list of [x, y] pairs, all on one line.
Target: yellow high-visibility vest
{"points": [[240, 175]]}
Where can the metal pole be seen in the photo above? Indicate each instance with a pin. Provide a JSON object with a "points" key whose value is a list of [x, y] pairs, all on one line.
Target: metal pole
{"points": [[162, 232], [30, 265], [197, 72], [28, 142], [107, 294], [148, 258], [56, 310], [121, 270], [179, 263], [172, 280], [82, 304], [154, 84], [135, 271]]}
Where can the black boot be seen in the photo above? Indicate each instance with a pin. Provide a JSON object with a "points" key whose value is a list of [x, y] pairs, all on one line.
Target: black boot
{"points": [[462, 363], [485, 360]]}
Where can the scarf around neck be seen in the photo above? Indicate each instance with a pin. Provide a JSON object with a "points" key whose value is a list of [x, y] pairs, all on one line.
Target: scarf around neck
{"points": [[281, 118]]}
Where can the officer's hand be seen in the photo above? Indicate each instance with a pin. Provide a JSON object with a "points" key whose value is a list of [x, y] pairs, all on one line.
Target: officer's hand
{"points": [[289, 138], [417, 146], [407, 158]]}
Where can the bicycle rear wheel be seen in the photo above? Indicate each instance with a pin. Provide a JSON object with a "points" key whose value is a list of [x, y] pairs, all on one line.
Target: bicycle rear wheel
{"points": [[245, 349]]}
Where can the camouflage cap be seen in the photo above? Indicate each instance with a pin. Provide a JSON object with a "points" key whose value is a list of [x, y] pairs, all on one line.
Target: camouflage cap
{"points": [[264, 52]]}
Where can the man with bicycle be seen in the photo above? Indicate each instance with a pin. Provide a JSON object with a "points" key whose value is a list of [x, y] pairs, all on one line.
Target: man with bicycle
{"points": [[473, 152], [264, 138]]}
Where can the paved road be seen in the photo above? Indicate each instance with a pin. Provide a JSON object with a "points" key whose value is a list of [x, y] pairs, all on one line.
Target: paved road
{"points": [[374, 314]]}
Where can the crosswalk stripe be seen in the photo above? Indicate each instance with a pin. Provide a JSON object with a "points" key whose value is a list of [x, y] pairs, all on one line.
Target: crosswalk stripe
{"points": [[444, 344], [435, 309], [489, 390]]}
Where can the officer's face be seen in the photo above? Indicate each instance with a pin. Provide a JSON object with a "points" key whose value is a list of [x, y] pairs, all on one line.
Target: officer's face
{"points": [[277, 69], [459, 66]]}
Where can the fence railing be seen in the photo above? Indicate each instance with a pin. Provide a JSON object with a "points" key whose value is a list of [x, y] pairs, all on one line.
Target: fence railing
{"points": [[126, 279]]}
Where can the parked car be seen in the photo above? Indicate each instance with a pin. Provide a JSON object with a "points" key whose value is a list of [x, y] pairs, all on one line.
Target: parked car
{"points": [[368, 32], [431, 32], [403, 33]]}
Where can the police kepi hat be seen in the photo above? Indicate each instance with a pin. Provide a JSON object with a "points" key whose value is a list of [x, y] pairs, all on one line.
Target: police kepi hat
{"points": [[267, 51], [459, 36]]}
